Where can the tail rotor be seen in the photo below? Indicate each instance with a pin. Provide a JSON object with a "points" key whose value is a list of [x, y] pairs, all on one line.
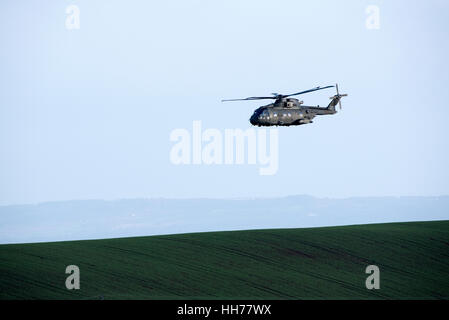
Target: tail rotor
{"points": [[338, 96]]}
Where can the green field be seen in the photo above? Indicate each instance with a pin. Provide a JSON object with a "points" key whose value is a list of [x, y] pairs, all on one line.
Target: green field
{"points": [[311, 263]]}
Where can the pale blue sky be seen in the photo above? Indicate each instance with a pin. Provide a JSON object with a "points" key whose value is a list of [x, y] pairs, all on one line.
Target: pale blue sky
{"points": [[87, 113]]}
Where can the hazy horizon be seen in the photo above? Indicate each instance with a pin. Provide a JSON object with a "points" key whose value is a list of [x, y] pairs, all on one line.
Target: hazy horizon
{"points": [[225, 198], [96, 219]]}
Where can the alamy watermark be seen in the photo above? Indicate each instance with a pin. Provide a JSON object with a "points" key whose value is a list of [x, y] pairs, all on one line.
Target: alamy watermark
{"points": [[72, 21], [372, 21], [373, 280], [230, 146], [73, 280]]}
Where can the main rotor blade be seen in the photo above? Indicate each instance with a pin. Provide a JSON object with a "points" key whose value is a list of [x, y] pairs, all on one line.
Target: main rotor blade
{"points": [[307, 91], [250, 98], [279, 96]]}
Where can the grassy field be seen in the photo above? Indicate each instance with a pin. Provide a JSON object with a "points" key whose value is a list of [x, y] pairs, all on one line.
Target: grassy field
{"points": [[317, 263]]}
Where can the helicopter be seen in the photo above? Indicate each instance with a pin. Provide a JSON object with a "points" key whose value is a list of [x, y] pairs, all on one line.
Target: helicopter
{"points": [[286, 111]]}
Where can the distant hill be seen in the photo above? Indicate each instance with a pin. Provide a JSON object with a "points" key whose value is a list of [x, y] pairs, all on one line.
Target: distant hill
{"points": [[310, 263], [98, 219]]}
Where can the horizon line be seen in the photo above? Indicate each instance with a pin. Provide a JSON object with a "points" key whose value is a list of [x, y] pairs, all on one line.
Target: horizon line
{"points": [[220, 198]]}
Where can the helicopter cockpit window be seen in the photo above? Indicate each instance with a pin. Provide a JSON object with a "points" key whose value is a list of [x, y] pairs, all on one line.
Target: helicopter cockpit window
{"points": [[289, 104]]}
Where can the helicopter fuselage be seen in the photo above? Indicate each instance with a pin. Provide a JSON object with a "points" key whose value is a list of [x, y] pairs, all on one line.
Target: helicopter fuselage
{"points": [[289, 112]]}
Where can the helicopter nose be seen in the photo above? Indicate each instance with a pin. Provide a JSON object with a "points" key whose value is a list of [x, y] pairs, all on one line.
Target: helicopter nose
{"points": [[253, 120]]}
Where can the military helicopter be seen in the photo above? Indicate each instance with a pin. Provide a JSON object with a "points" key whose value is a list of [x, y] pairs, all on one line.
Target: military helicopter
{"points": [[286, 111]]}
